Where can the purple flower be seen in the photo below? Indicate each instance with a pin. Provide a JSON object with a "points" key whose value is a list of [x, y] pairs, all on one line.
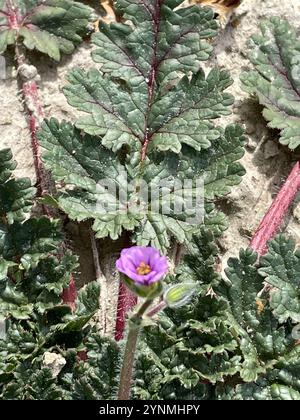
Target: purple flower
{"points": [[142, 264]]}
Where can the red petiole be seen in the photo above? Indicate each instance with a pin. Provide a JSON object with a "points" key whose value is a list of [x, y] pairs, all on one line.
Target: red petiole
{"points": [[35, 113], [274, 217], [126, 299]]}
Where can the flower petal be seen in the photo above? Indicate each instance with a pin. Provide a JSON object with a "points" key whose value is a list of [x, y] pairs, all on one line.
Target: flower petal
{"points": [[131, 258]]}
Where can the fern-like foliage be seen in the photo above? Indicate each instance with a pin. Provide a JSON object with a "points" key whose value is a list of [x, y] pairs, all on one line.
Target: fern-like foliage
{"points": [[15, 194], [149, 119], [281, 268], [32, 278], [32, 383], [49, 26], [98, 377], [275, 80], [233, 343], [235, 340], [149, 111]]}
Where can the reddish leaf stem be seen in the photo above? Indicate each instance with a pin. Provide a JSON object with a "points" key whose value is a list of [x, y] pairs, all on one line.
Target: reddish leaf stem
{"points": [[69, 294], [277, 211], [126, 301], [30, 94], [35, 113], [152, 77], [158, 308]]}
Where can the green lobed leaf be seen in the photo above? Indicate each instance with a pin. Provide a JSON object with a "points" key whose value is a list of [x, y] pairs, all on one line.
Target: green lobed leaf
{"points": [[107, 189], [281, 383], [50, 26], [32, 383], [150, 109], [177, 35], [275, 80], [97, 378], [199, 264], [229, 338], [192, 345], [88, 299], [16, 195], [33, 275], [281, 269], [118, 113], [139, 93], [263, 341], [29, 242]]}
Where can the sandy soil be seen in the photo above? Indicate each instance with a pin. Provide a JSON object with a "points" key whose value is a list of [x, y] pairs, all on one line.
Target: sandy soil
{"points": [[267, 163]]}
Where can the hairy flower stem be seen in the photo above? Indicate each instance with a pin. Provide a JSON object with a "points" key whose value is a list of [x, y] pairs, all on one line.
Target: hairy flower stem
{"points": [[101, 280], [98, 271], [128, 363], [277, 211], [178, 253], [126, 301], [129, 353]]}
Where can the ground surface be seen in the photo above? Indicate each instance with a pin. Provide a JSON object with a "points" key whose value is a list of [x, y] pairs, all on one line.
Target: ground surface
{"points": [[267, 164]]}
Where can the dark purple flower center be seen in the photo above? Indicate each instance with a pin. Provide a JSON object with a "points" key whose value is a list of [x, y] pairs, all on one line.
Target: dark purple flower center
{"points": [[143, 269]]}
